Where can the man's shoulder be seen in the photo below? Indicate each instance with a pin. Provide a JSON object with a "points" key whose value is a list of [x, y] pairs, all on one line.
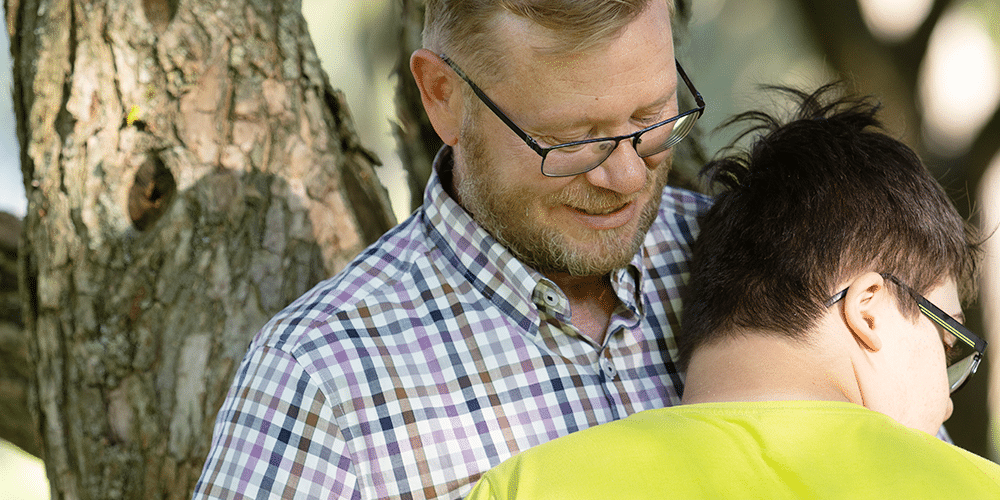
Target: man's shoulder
{"points": [[679, 202], [399, 268], [676, 224]]}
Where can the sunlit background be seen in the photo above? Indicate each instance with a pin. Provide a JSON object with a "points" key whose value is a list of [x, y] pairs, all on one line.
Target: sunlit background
{"points": [[732, 47]]}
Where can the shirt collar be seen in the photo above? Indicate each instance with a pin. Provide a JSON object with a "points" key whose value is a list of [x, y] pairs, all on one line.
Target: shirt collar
{"points": [[484, 262], [629, 284], [495, 271]]}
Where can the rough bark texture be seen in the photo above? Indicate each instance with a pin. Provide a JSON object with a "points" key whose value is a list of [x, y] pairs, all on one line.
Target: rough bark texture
{"points": [[189, 173], [17, 374]]}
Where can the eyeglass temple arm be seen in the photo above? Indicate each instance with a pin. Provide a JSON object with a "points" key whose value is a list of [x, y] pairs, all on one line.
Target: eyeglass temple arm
{"points": [[837, 297], [687, 81], [952, 325], [942, 318], [496, 109]]}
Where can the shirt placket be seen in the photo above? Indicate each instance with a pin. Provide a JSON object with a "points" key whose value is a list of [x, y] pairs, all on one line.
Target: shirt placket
{"points": [[624, 321], [597, 362]]}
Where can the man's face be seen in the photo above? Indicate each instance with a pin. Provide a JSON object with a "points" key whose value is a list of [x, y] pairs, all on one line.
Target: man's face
{"points": [[594, 222], [920, 395]]}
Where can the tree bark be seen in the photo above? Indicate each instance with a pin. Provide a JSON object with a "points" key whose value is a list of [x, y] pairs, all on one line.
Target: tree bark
{"points": [[17, 375], [189, 172]]}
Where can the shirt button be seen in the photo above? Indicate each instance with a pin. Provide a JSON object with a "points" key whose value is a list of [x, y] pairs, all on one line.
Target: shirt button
{"points": [[609, 368], [551, 298]]}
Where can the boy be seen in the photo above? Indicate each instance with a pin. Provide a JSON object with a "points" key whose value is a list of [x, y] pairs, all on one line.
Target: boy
{"points": [[818, 335]]}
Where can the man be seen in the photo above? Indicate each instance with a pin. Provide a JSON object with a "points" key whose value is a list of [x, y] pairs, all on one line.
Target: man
{"points": [[534, 293], [818, 335]]}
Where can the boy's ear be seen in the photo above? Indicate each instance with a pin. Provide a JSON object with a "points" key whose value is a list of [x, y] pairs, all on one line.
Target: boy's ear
{"points": [[439, 92], [864, 306]]}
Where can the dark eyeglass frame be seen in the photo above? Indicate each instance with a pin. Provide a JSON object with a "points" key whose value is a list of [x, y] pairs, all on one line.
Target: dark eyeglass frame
{"points": [[942, 319], [543, 151]]}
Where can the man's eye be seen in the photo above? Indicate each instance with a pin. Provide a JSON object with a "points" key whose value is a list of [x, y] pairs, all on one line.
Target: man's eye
{"points": [[566, 138], [572, 149]]}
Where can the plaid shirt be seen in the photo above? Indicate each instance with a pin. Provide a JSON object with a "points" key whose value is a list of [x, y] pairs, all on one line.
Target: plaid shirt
{"points": [[436, 355]]}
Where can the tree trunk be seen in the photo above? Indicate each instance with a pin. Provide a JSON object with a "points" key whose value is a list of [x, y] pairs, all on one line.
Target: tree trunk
{"points": [[416, 139], [17, 375], [189, 172]]}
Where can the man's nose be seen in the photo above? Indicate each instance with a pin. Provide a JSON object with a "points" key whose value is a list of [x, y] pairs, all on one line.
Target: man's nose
{"points": [[623, 172]]}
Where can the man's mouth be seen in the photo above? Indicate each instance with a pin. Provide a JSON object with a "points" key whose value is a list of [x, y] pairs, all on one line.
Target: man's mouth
{"points": [[602, 211], [605, 218]]}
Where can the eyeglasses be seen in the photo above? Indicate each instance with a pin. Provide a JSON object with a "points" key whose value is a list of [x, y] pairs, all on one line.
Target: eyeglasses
{"points": [[578, 157], [963, 349]]}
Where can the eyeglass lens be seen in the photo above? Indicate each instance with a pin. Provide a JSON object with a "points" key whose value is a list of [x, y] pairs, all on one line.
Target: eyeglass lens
{"points": [[960, 371], [578, 158], [961, 356]]}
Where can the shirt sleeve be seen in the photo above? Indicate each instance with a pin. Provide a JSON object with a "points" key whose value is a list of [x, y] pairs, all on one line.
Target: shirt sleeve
{"points": [[276, 437]]}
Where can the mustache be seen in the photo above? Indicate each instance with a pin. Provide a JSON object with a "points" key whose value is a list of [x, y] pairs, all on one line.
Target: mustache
{"points": [[596, 202], [586, 197], [592, 199]]}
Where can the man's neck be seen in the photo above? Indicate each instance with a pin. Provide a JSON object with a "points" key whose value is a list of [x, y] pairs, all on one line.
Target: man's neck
{"points": [[760, 367], [592, 300]]}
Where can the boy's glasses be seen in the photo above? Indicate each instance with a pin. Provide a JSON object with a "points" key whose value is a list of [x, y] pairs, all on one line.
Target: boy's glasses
{"points": [[963, 349]]}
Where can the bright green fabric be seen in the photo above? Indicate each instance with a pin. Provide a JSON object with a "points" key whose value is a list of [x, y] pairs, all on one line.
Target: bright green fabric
{"points": [[771, 450]]}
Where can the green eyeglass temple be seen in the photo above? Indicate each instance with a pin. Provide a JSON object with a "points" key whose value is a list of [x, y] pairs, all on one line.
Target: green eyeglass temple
{"points": [[675, 137], [964, 362]]}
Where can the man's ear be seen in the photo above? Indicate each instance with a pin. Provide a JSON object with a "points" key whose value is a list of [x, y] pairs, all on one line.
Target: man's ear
{"points": [[864, 306], [439, 92]]}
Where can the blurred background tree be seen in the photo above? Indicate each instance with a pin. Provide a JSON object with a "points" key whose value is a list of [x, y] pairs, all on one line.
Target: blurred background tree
{"points": [[934, 63]]}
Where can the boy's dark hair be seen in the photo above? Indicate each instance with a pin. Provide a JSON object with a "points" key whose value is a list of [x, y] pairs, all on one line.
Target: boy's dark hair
{"points": [[814, 202]]}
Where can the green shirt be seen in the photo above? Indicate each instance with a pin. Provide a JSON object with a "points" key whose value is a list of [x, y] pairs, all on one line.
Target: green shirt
{"points": [[772, 450]]}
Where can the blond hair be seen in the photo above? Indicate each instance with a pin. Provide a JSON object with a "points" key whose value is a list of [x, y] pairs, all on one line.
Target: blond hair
{"points": [[464, 28]]}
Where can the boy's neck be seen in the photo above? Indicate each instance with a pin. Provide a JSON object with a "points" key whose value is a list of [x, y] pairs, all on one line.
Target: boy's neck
{"points": [[757, 366]]}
